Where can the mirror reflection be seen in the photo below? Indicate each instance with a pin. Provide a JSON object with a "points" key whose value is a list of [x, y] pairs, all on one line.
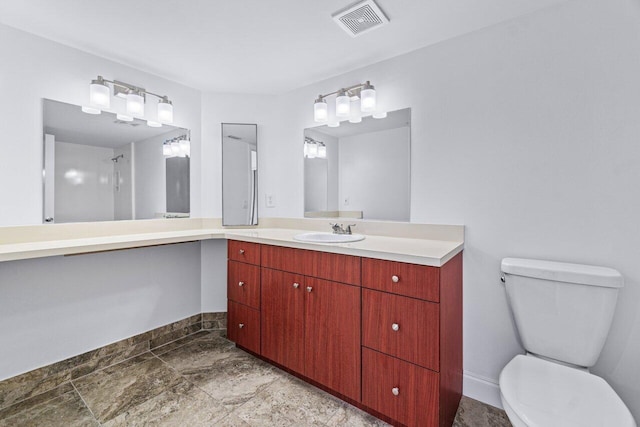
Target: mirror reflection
{"points": [[101, 168], [239, 174], [359, 170]]}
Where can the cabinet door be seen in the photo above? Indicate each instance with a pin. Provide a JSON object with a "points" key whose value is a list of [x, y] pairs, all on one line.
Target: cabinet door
{"points": [[403, 327], [243, 326], [243, 283], [332, 336], [283, 318], [400, 390]]}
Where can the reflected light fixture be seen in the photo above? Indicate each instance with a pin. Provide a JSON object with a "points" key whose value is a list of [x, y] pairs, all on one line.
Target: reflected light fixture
{"points": [[100, 99], [91, 110], [364, 92], [313, 149], [179, 146], [322, 151]]}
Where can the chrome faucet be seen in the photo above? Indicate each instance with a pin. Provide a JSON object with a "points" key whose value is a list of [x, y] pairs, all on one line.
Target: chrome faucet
{"points": [[339, 228]]}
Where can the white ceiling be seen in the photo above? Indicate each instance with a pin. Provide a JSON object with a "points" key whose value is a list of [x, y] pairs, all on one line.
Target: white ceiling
{"points": [[250, 46]]}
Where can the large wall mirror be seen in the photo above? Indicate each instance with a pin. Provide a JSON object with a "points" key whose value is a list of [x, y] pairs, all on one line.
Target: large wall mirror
{"points": [[100, 168], [359, 170], [239, 174]]}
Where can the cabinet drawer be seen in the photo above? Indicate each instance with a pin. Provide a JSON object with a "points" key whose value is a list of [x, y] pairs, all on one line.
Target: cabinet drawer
{"points": [[244, 252], [243, 326], [323, 265], [400, 390], [243, 283], [412, 280], [403, 327]]}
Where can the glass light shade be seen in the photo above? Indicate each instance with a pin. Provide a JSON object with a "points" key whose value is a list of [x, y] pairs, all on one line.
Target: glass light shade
{"points": [[356, 119], [175, 148], [124, 117], [368, 99], [166, 150], [91, 110], [135, 104], [185, 148], [320, 111], [333, 124], [379, 115], [313, 151], [99, 95], [322, 151], [153, 124], [306, 149], [343, 105], [165, 112]]}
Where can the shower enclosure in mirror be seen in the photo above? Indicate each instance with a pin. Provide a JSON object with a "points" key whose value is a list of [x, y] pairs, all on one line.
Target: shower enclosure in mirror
{"points": [[101, 168], [239, 174], [359, 170]]}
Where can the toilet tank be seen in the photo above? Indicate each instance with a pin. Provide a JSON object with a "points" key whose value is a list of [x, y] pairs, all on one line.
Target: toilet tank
{"points": [[562, 311]]}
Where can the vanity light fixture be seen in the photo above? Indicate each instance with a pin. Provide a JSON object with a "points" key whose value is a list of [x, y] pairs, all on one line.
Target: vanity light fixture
{"points": [[365, 92], [124, 117], [322, 151], [100, 98], [99, 93]]}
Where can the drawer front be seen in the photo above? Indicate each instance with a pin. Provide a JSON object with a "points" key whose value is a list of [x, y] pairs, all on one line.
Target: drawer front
{"points": [[243, 283], [400, 390], [243, 326], [403, 327], [412, 280], [323, 265], [244, 252]]}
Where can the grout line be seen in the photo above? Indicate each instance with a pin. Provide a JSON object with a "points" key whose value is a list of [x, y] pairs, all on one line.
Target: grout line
{"points": [[85, 403]]}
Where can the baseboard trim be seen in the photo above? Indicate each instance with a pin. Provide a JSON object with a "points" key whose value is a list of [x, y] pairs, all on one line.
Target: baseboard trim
{"points": [[481, 388]]}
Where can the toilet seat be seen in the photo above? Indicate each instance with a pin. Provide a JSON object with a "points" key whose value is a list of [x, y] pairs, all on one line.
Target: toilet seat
{"points": [[539, 393]]}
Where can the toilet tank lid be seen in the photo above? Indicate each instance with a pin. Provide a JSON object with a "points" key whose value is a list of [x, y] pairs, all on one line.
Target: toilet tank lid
{"points": [[563, 272]]}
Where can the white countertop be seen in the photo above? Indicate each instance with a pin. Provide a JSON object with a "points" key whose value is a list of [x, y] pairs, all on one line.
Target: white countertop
{"points": [[403, 249]]}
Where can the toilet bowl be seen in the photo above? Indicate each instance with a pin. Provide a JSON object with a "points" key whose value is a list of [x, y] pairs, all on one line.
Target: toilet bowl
{"points": [[563, 313], [538, 392]]}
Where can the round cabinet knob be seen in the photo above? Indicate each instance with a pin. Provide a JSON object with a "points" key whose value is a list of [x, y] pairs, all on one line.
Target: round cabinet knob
{"points": [[241, 284], [241, 251], [241, 325], [395, 327], [395, 279], [296, 285], [395, 391], [309, 289]]}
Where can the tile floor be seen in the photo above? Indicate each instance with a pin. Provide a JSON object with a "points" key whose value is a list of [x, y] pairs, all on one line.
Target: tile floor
{"points": [[202, 380]]}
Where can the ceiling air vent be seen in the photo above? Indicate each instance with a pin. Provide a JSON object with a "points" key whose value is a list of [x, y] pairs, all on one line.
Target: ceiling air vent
{"points": [[360, 18]]}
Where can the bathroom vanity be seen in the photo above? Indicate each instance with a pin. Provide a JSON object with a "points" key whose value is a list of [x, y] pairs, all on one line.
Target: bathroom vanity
{"points": [[383, 335]]}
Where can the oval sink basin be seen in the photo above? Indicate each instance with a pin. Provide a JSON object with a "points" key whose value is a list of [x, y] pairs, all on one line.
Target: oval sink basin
{"points": [[319, 237]]}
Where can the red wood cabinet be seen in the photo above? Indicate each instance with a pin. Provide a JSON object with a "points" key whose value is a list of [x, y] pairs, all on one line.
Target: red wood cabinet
{"points": [[426, 333], [392, 347]]}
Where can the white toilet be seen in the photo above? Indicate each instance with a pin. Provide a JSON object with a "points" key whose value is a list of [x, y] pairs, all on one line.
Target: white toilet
{"points": [[563, 313]]}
